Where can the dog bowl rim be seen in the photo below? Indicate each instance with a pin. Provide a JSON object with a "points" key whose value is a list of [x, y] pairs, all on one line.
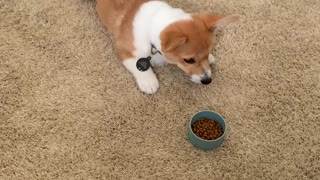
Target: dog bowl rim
{"points": [[220, 137]]}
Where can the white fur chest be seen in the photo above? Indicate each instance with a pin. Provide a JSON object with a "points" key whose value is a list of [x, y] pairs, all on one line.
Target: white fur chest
{"points": [[152, 18]]}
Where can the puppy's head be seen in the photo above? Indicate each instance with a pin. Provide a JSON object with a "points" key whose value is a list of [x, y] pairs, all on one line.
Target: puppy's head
{"points": [[188, 43]]}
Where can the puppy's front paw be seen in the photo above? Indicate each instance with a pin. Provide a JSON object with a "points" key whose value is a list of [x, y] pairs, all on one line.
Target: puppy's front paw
{"points": [[158, 60], [211, 59], [148, 84]]}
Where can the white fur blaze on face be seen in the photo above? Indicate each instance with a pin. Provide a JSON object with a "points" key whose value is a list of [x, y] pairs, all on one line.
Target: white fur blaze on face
{"points": [[211, 59], [208, 73], [147, 80]]}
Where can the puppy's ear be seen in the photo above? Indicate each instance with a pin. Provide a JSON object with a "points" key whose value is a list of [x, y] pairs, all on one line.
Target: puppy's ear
{"points": [[170, 40], [215, 22]]}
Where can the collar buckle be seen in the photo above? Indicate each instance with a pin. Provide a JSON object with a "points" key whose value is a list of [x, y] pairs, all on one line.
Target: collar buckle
{"points": [[154, 50]]}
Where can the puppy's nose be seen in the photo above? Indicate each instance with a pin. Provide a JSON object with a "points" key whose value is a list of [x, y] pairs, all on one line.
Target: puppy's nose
{"points": [[206, 80]]}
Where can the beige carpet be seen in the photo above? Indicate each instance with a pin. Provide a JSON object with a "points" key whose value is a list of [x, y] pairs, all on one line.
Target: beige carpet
{"points": [[69, 109]]}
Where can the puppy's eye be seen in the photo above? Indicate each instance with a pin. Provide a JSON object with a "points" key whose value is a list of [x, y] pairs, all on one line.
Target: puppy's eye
{"points": [[190, 61]]}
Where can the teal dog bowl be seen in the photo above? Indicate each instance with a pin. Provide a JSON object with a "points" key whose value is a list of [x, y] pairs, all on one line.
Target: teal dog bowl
{"points": [[206, 144]]}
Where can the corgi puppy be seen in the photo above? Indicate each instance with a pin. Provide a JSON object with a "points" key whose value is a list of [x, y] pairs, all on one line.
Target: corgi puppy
{"points": [[151, 33]]}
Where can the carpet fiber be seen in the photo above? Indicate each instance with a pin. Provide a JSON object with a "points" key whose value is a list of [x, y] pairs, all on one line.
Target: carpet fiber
{"points": [[70, 110]]}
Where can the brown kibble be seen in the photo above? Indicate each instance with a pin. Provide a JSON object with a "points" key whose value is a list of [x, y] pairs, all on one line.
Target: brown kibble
{"points": [[207, 129]]}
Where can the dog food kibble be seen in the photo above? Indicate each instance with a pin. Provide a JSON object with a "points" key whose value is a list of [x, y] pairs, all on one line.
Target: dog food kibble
{"points": [[207, 129]]}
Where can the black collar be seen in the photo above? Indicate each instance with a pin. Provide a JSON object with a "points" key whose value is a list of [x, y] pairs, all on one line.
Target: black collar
{"points": [[154, 50]]}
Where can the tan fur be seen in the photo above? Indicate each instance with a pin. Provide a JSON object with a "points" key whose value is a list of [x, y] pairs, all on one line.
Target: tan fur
{"points": [[197, 45], [117, 16], [192, 39]]}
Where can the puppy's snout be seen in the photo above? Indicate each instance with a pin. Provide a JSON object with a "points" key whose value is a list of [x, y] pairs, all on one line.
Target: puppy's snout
{"points": [[202, 79], [206, 80]]}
